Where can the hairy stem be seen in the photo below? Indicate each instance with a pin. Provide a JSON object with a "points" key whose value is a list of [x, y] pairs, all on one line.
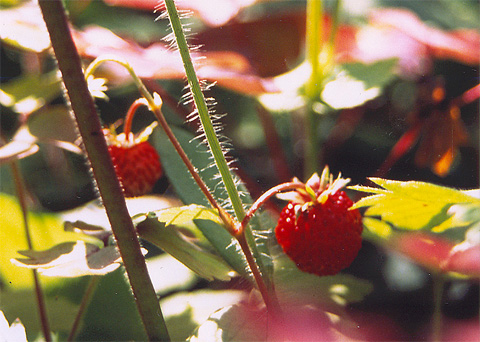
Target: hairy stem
{"points": [[203, 112], [42, 309], [109, 188]]}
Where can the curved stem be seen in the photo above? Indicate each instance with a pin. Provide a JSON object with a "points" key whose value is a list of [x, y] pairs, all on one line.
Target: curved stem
{"points": [[90, 128], [42, 310], [264, 198], [127, 127]]}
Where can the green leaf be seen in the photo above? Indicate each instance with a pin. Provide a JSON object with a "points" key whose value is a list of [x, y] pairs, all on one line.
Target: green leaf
{"points": [[71, 259], [412, 205], [180, 215], [357, 83], [199, 260]]}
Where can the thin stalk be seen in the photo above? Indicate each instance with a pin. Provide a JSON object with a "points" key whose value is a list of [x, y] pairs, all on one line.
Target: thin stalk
{"points": [[437, 319], [203, 112], [314, 36], [42, 309], [86, 299], [90, 128]]}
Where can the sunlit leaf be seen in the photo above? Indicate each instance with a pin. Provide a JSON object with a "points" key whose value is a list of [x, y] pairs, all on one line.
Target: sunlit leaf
{"points": [[23, 27], [356, 83], [29, 92], [46, 231], [161, 269], [12, 333], [411, 205], [199, 260], [22, 145], [246, 322], [185, 311], [181, 215], [71, 259]]}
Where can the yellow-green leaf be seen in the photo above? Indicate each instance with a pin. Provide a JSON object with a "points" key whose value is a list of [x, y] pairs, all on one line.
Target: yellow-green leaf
{"points": [[411, 205]]}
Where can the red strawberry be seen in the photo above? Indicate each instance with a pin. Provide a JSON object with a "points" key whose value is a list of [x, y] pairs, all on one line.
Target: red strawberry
{"points": [[136, 162], [317, 230]]}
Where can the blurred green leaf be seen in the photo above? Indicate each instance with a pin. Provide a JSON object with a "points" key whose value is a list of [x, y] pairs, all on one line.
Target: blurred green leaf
{"points": [[112, 314], [412, 205], [356, 83], [331, 293], [22, 145], [29, 92], [186, 311], [55, 125], [161, 269], [199, 260]]}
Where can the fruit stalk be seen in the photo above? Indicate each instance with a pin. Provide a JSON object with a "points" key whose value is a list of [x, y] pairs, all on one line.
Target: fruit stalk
{"points": [[109, 188]]}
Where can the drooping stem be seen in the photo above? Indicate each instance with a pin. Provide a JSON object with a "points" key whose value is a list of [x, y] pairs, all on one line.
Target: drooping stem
{"points": [[21, 195], [264, 198], [127, 127], [90, 128]]}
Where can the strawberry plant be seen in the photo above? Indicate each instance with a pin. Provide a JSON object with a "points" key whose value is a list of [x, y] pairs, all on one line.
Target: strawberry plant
{"points": [[187, 224]]}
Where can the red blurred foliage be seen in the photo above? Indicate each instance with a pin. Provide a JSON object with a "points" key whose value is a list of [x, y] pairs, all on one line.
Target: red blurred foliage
{"points": [[439, 254], [159, 61], [212, 12]]}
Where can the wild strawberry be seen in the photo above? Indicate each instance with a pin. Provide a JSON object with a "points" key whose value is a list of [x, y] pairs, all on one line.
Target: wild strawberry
{"points": [[317, 230], [136, 162]]}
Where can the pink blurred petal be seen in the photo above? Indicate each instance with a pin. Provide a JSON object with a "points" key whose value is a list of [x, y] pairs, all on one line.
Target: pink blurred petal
{"points": [[461, 45], [158, 61], [212, 12], [464, 260], [426, 250]]}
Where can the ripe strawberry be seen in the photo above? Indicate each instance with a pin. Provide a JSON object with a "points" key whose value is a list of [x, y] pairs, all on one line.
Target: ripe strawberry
{"points": [[317, 230], [136, 162]]}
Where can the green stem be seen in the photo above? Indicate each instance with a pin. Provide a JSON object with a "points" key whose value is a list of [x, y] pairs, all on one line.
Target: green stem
{"points": [[437, 319], [203, 112], [86, 299], [42, 309], [109, 188], [314, 36]]}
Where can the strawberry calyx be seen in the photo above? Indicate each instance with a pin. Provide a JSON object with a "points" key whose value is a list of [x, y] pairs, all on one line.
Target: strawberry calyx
{"points": [[122, 140], [317, 189]]}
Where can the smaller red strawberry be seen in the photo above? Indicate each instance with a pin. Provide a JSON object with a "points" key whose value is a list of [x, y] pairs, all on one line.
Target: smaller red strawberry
{"points": [[137, 163], [317, 230]]}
